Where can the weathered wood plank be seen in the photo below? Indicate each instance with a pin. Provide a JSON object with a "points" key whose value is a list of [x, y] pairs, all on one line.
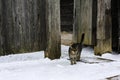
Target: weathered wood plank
{"points": [[53, 28], [42, 23], [103, 46], [104, 10], [6, 26], [23, 28], [101, 19], [83, 21], [19, 25], [104, 26]]}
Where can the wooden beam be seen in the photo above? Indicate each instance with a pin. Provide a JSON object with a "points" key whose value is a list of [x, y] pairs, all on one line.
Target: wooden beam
{"points": [[101, 19], [103, 27], [53, 29]]}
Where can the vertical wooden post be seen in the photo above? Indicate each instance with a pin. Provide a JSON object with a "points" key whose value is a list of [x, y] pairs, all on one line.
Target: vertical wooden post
{"points": [[83, 21], [103, 27], [53, 29]]}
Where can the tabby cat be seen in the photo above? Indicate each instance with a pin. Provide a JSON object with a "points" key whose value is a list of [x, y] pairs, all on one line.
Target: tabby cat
{"points": [[75, 51]]}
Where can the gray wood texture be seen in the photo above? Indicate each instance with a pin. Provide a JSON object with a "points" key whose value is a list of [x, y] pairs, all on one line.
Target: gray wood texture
{"points": [[104, 26], [53, 29], [22, 26], [83, 21]]}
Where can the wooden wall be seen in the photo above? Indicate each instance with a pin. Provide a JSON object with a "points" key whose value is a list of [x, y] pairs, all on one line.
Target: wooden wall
{"points": [[32, 25], [83, 21], [22, 26], [94, 18]]}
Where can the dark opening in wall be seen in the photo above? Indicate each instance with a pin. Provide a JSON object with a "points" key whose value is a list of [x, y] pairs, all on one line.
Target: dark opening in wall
{"points": [[66, 15], [115, 24]]}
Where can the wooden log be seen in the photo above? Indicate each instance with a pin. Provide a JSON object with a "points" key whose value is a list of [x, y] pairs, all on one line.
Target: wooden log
{"points": [[103, 46], [53, 29], [101, 19], [103, 27], [83, 21]]}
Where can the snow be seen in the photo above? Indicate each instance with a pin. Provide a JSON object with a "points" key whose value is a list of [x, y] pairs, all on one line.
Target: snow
{"points": [[33, 66]]}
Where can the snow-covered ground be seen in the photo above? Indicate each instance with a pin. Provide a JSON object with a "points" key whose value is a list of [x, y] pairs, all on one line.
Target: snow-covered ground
{"points": [[33, 66]]}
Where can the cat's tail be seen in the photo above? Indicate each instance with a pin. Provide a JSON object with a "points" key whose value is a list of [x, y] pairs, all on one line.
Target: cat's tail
{"points": [[82, 38]]}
